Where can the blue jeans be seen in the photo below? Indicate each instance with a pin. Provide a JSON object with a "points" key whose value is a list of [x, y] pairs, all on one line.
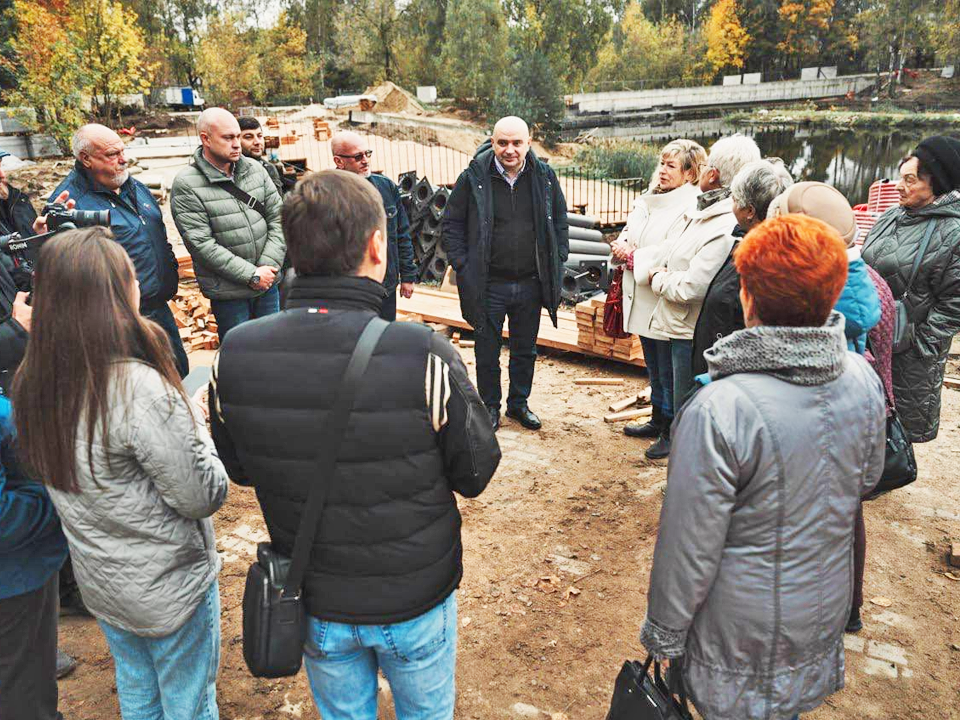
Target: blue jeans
{"points": [[656, 353], [418, 658], [172, 677], [681, 358], [230, 313], [164, 318], [520, 300]]}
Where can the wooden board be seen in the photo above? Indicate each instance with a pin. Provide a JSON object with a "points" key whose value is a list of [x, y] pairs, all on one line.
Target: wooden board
{"points": [[442, 307]]}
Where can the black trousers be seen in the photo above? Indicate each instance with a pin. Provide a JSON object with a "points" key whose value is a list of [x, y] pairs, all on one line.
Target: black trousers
{"points": [[28, 654]]}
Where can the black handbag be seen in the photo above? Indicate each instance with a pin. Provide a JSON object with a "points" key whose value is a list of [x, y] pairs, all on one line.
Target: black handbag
{"points": [[899, 462], [638, 696], [274, 618]]}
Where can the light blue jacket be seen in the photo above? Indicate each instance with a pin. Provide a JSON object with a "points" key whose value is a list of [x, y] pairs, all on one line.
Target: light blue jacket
{"points": [[858, 302]]}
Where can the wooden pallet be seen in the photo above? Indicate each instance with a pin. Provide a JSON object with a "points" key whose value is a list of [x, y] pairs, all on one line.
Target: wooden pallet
{"points": [[443, 307]]}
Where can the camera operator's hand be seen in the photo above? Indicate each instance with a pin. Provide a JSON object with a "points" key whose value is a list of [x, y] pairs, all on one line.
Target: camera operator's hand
{"points": [[267, 275], [40, 224], [21, 311]]}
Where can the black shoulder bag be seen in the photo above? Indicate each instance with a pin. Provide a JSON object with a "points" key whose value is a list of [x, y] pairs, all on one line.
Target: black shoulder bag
{"points": [[246, 198], [904, 326], [637, 696], [274, 618]]}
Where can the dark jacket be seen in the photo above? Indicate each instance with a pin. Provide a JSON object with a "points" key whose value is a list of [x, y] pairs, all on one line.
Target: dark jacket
{"points": [[890, 248], [17, 214], [137, 224], [32, 546], [400, 261], [388, 546], [722, 313], [468, 227]]}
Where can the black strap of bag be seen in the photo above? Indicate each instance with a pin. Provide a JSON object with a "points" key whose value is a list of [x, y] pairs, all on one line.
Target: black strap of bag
{"points": [[330, 441], [246, 198], [919, 258]]}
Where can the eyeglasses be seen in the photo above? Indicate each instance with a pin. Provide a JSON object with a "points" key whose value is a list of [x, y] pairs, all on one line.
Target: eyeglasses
{"points": [[359, 156]]}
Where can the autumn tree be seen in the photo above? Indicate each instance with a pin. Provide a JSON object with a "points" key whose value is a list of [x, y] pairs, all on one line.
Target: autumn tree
{"points": [[422, 42], [50, 75], [531, 90], [727, 41], [568, 32], [369, 39], [286, 68], [638, 53], [227, 60], [946, 33], [474, 54], [112, 50], [805, 25]]}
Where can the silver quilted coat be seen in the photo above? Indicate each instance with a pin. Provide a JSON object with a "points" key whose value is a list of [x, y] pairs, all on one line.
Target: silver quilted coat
{"points": [[140, 532], [753, 569]]}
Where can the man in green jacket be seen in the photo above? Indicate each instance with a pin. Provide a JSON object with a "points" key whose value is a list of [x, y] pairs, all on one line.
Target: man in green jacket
{"points": [[227, 210]]}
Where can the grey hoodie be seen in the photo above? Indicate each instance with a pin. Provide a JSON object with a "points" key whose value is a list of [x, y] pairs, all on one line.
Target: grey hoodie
{"points": [[753, 569]]}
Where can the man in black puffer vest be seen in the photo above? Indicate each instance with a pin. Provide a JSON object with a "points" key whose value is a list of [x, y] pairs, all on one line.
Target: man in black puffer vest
{"points": [[387, 558]]}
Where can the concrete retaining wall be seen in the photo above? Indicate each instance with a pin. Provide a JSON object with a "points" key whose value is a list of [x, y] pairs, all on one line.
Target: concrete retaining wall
{"points": [[715, 95]]}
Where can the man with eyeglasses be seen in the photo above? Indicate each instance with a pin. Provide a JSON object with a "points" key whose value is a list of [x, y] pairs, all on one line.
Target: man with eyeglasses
{"points": [[350, 153], [100, 181]]}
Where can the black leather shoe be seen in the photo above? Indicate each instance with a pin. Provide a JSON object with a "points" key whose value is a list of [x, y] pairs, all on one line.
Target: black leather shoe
{"points": [[65, 664], [660, 449], [525, 417], [494, 417], [647, 430]]}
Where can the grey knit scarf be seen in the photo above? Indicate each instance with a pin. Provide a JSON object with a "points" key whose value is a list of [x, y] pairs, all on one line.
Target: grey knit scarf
{"points": [[798, 355], [711, 197]]}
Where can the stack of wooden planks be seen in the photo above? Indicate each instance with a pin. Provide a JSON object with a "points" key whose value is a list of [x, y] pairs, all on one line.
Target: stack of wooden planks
{"points": [[592, 338], [198, 327], [432, 305]]}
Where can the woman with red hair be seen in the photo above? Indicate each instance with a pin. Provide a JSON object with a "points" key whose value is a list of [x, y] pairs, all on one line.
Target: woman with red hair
{"points": [[752, 574]]}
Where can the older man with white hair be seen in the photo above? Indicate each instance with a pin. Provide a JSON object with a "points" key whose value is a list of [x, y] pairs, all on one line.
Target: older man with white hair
{"points": [[100, 181], [505, 233], [227, 210], [351, 153], [679, 270]]}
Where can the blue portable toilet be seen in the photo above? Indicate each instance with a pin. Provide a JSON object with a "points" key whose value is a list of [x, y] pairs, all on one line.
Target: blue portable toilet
{"points": [[186, 95]]}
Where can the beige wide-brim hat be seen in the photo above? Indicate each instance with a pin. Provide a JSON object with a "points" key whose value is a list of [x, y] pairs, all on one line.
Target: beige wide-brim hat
{"points": [[818, 200]]}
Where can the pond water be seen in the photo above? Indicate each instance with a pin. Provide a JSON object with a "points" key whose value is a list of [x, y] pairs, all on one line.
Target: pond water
{"points": [[850, 160]]}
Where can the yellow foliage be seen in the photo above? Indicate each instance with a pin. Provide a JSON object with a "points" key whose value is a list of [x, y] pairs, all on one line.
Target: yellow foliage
{"points": [[727, 40], [805, 23]]}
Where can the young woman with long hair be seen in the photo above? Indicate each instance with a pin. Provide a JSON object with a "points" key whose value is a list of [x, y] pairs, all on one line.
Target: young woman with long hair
{"points": [[103, 418]]}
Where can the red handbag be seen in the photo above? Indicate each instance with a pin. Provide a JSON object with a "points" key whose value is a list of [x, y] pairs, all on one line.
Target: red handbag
{"points": [[613, 308]]}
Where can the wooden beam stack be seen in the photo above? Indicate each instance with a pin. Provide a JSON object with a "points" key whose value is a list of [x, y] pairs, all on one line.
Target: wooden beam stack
{"points": [[198, 326], [591, 337]]}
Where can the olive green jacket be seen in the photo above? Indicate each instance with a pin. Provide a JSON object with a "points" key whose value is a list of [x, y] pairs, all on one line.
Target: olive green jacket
{"points": [[227, 240]]}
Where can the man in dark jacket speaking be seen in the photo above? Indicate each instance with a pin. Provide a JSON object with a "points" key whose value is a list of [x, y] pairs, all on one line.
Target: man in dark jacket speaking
{"points": [[387, 557], [505, 233], [100, 181]]}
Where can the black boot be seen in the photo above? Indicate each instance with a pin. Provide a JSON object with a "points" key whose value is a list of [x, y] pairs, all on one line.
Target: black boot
{"points": [[661, 448], [854, 623], [650, 429]]}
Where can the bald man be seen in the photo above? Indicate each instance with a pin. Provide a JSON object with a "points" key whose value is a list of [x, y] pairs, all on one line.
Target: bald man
{"points": [[227, 210], [505, 233], [100, 181], [351, 153]]}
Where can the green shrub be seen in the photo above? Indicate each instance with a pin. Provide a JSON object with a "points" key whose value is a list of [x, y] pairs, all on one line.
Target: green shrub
{"points": [[619, 159]]}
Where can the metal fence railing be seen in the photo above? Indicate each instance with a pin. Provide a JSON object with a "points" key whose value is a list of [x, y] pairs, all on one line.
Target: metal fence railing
{"points": [[303, 143]]}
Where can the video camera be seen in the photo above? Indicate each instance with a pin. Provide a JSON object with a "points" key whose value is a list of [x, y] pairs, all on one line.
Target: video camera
{"points": [[59, 218]]}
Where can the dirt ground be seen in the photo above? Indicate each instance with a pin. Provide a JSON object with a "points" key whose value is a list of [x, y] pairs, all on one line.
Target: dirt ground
{"points": [[557, 561]]}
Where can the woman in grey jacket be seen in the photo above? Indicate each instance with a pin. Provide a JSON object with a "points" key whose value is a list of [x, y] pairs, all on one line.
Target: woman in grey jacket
{"points": [[103, 419], [752, 572]]}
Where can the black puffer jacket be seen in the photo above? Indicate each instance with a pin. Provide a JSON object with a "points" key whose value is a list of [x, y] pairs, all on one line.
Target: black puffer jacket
{"points": [[388, 545], [468, 226], [890, 248]]}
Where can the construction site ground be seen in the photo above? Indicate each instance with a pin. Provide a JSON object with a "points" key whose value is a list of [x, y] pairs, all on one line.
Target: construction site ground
{"points": [[557, 556]]}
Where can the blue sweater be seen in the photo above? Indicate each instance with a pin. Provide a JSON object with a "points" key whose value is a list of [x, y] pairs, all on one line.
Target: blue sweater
{"points": [[32, 546], [859, 303]]}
